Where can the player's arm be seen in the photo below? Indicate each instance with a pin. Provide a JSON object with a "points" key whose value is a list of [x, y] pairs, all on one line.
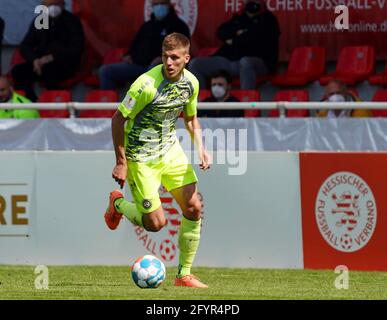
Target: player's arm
{"points": [[136, 98], [193, 126], [120, 169]]}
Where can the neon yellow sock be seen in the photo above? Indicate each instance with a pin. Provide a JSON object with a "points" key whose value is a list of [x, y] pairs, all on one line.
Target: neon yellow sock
{"points": [[129, 210], [189, 237]]}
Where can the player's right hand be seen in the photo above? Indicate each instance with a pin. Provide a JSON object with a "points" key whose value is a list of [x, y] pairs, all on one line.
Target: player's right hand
{"points": [[205, 160], [119, 174]]}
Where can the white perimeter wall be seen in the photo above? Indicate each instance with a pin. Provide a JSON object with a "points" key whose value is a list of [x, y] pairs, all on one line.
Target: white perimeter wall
{"points": [[250, 220]]}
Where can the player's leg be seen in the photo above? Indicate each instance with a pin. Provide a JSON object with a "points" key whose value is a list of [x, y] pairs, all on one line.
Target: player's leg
{"points": [[180, 180], [146, 210], [189, 234], [150, 221]]}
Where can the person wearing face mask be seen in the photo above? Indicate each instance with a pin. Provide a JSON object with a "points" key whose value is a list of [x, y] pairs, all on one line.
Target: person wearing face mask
{"points": [[52, 55], [144, 51], [7, 95], [336, 92], [250, 49], [220, 92]]}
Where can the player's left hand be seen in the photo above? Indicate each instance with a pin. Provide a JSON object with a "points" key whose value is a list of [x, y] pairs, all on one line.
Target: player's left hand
{"points": [[206, 160]]}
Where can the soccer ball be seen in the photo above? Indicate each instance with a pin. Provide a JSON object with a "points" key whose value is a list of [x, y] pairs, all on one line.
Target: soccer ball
{"points": [[148, 272]]}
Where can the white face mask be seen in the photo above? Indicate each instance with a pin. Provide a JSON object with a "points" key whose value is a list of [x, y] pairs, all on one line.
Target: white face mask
{"points": [[54, 11], [218, 91], [336, 98]]}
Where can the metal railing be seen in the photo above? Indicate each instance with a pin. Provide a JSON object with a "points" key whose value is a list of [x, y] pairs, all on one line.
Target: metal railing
{"points": [[72, 107]]}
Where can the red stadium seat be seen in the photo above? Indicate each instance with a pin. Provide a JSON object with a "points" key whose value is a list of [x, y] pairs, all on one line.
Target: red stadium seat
{"points": [[204, 94], [55, 96], [248, 96], [16, 58], [380, 96], [306, 64], [355, 64], [291, 95], [379, 79], [99, 96]]}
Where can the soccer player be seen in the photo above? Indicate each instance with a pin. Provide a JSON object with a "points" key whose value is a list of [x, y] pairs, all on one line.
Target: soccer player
{"points": [[148, 152]]}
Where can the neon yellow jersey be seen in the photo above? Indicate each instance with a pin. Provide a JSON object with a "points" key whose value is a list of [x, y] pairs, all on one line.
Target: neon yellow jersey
{"points": [[152, 107], [19, 113]]}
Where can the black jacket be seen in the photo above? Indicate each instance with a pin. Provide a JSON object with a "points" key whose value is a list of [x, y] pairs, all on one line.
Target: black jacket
{"points": [[64, 39], [221, 113], [261, 38], [1, 30], [148, 41], [1, 37]]}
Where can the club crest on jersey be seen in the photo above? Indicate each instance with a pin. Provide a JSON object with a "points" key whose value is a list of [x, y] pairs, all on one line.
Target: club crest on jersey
{"points": [[146, 204]]}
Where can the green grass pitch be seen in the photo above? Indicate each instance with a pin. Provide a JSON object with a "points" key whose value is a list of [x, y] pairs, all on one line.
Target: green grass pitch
{"points": [[108, 282]]}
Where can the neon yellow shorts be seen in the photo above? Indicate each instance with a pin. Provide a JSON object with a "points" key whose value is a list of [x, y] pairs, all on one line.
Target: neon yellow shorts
{"points": [[144, 178]]}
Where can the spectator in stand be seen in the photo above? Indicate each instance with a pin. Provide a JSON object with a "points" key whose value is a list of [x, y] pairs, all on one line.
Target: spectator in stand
{"points": [[2, 25], [251, 45], [336, 92], [7, 95], [52, 55], [220, 92], [144, 52]]}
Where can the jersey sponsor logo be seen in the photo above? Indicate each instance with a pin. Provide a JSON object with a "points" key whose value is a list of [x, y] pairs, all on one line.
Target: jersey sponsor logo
{"points": [[346, 211], [187, 10]]}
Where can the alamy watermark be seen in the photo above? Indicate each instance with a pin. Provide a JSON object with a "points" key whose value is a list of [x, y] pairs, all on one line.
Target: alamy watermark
{"points": [[42, 278], [42, 18], [342, 20], [225, 146], [342, 280]]}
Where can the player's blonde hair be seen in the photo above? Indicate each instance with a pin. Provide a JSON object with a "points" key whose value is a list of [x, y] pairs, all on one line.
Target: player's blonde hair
{"points": [[176, 40]]}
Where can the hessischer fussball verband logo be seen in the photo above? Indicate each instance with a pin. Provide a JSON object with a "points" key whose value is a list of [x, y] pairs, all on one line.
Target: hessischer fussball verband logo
{"points": [[346, 211]]}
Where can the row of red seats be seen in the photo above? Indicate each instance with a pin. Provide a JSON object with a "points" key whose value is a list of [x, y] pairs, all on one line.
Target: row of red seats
{"points": [[291, 96], [306, 64], [254, 96], [243, 95], [62, 96]]}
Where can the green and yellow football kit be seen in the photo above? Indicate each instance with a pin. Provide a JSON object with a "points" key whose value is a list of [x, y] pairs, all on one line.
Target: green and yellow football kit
{"points": [[152, 107], [154, 155]]}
